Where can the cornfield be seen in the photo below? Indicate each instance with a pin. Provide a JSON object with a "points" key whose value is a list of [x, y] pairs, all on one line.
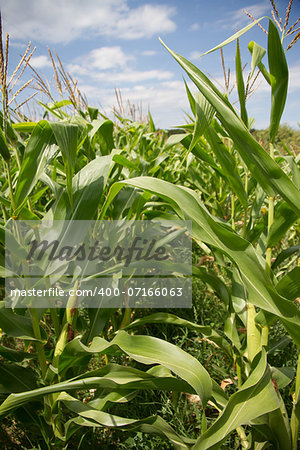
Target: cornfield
{"points": [[222, 374]]}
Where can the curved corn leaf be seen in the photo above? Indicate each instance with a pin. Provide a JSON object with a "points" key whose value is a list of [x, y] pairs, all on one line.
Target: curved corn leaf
{"points": [[240, 84], [150, 350], [204, 113], [15, 378], [92, 417], [187, 205], [257, 53], [235, 36], [228, 165], [104, 130], [10, 354], [66, 136], [15, 325], [285, 254], [4, 151], [33, 156], [109, 377], [289, 285], [87, 189], [279, 76], [283, 220], [266, 171], [24, 127], [174, 320], [256, 397]]}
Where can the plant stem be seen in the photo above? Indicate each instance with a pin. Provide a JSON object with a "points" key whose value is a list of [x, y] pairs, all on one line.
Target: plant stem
{"points": [[239, 371], [39, 347], [126, 318], [244, 441], [232, 212], [55, 321], [265, 329], [253, 334], [9, 180], [296, 399], [246, 209], [270, 222]]}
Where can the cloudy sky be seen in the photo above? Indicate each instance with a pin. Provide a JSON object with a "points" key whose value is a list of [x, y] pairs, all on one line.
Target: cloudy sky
{"points": [[108, 44]]}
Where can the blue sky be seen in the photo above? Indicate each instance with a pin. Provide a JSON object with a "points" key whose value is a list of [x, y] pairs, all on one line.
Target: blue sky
{"points": [[107, 44]]}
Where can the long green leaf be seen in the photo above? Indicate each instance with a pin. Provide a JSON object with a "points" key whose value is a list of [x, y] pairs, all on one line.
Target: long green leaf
{"points": [[171, 319], [87, 188], [89, 416], [15, 378], [14, 324], [279, 76], [66, 136], [267, 172], [257, 53], [289, 285], [283, 220], [187, 205], [203, 116], [228, 165], [234, 36], [30, 168], [286, 253], [109, 377], [150, 350], [4, 151], [104, 131], [240, 84], [256, 397]]}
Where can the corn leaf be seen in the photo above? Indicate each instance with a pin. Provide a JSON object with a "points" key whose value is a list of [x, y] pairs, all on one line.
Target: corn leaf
{"points": [[89, 416], [279, 76], [31, 164], [171, 319], [283, 220], [14, 324], [187, 205], [257, 53], [112, 376], [234, 36], [228, 165], [240, 84], [4, 151], [289, 285], [256, 397], [267, 172]]}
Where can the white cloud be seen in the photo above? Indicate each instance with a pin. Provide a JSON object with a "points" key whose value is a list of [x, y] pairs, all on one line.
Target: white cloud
{"points": [[145, 21], [110, 65], [294, 81], [194, 27], [257, 10], [132, 76], [166, 100], [238, 18], [39, 62], [53, 21], [148, 53], [115, 77], [195, 55], [105, 58]]}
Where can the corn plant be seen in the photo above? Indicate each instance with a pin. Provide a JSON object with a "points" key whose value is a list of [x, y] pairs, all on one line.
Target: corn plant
{"points": [[257, 298]]}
